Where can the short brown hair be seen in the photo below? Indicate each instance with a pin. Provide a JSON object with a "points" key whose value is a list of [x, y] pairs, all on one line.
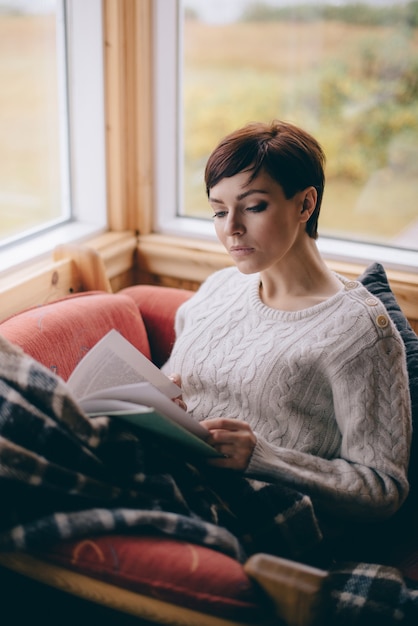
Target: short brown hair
{"points": [[290, 155]]}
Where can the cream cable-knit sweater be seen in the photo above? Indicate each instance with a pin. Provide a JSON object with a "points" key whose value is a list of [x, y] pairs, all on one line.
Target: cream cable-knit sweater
{"points": [[324, 389]]}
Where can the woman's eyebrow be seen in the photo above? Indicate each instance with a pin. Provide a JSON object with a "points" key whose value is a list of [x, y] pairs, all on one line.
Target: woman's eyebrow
{"points": [[249, 192], [214, 200], [241, 196]]}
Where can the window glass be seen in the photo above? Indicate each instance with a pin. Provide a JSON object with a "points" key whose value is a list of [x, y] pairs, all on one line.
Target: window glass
{"points": [[347, 72], [34, 171]]}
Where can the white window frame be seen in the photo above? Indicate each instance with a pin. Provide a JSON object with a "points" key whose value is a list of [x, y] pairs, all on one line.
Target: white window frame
{"points": [[168, 219], [82, 118]]}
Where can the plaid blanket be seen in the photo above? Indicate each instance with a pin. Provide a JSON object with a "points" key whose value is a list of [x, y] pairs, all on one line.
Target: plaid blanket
{"points": [[64, 475], [366, 594]]}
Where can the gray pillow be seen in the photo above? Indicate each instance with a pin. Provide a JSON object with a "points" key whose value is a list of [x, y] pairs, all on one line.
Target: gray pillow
{"points": [[375, 280]]}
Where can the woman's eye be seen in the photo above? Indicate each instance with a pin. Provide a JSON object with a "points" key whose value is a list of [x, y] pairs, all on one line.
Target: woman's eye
{"points": [[219, 214], [258, 208]]}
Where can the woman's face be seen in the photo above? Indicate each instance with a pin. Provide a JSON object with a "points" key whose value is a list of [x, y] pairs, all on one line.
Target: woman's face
{"points": [[256, 223]]}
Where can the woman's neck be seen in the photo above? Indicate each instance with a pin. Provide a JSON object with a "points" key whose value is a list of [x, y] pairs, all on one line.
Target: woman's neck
{"points": [[299, 282]]}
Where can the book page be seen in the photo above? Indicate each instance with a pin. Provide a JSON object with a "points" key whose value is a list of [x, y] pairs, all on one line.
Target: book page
{"points": [[115, 361], [141, 394]]}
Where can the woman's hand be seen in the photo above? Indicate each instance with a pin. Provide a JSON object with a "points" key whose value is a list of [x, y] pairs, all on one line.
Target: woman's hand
{"points": [[232, 438], [176, 379]]}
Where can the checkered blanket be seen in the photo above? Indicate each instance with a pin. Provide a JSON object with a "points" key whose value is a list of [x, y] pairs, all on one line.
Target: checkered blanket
{"points": [[64, 475], [365, 594]]}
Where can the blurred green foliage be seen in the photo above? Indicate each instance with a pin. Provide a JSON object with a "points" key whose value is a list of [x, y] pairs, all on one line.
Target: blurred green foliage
{"points": [[351, 13], [349, 76]]}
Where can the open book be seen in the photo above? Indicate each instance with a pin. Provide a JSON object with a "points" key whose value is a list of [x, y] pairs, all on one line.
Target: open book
{"points": [[117, 380]]}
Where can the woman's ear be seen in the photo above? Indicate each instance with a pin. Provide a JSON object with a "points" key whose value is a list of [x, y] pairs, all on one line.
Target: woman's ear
{"points": [[309, 198]]}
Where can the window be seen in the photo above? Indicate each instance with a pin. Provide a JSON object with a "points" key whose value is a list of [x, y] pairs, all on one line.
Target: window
{"points": [[52, 179], [347, 72], [33, 171]]}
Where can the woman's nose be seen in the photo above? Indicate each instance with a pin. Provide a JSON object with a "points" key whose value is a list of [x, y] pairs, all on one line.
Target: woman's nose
{"points": [[234, 225]]}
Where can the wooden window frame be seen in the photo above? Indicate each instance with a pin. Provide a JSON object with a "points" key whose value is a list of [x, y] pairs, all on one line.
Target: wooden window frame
{"points": [[130, 250]]}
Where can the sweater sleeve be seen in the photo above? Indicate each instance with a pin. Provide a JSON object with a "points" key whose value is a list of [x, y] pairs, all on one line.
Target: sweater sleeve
{"points": [[372, 409]]}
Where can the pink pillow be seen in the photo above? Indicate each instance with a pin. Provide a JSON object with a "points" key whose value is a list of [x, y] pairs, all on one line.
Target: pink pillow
{"points": [[158, 307], [59, 334]]}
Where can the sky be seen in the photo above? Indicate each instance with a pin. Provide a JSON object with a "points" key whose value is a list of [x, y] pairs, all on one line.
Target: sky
{"points": [[223, 11], [35, 6], [213, 11]]}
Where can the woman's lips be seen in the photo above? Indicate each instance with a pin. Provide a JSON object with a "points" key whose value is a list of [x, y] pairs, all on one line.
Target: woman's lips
{"points": [[241, 250]]}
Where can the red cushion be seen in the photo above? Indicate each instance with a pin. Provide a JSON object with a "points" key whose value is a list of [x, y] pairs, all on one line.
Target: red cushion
{"points": [[158, 306], [173, 571], [60, 333]]}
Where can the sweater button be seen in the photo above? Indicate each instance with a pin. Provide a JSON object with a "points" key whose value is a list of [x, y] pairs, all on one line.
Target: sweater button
{"points": [[382, 321], [371, 301], [352, 284]]}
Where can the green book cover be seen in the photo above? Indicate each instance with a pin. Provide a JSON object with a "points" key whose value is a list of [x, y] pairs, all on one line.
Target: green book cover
{"points": [[150, 420]]}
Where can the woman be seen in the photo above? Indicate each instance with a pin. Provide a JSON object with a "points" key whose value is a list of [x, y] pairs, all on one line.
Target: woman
{"points": [[298, 373]]}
